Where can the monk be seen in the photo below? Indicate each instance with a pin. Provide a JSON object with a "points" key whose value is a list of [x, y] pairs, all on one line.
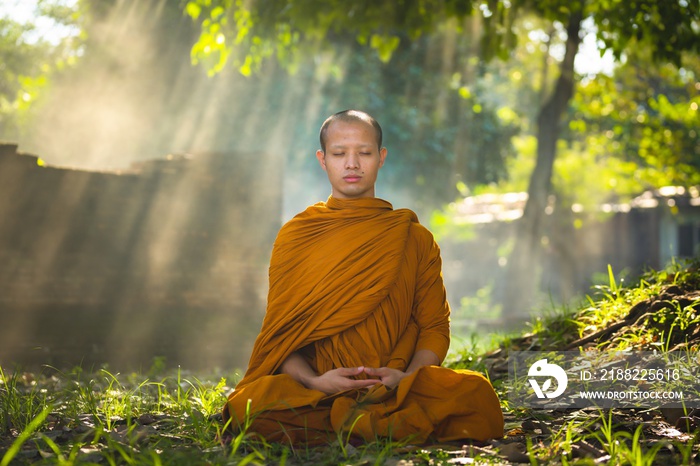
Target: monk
{"points": [[357, 320]]}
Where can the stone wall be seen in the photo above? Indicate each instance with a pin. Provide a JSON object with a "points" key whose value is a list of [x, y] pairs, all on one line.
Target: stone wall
{"points": [[167, 259], [646, 233]]}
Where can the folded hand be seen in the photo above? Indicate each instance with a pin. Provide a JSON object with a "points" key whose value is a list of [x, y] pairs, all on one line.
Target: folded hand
{"points": [[340, 379], [387, 376]]}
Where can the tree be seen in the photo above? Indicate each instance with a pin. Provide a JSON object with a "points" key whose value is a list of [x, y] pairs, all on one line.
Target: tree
{"points": [[666, 29], [27, 60], [647, 114]]}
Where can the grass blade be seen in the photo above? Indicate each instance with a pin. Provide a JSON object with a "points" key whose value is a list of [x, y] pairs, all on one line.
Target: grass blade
{"points": [[24, 436]]}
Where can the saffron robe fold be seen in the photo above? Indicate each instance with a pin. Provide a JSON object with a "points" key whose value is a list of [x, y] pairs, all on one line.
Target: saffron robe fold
{"points": [[354, 282]]}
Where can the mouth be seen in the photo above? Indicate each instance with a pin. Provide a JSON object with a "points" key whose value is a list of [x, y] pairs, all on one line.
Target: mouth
{"points": [[352, 178]]}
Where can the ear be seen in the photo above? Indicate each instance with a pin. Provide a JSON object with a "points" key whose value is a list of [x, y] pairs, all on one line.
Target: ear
{"points": [[321, 159], [382, 156]]}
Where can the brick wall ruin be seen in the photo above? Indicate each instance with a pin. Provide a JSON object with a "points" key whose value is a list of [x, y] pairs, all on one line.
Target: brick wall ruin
{"points": [[168, 258]]}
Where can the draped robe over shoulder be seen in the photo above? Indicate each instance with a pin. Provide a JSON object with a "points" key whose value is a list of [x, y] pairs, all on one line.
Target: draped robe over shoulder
{"points": [[354, 282]]}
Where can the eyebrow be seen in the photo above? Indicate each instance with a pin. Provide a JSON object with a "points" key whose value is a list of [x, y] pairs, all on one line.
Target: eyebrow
{"points": [[343, 146]]}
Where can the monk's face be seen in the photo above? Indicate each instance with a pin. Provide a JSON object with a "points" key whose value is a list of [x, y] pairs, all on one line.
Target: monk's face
{"points": [[352, 159]]}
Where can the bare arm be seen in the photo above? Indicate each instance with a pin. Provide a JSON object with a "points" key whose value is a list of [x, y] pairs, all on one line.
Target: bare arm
{"points": [[333, 381], [297, 367], [423, 357]]}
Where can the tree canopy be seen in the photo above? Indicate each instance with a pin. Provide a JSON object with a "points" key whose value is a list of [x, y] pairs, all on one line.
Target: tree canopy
{"points": [[253, 31]]}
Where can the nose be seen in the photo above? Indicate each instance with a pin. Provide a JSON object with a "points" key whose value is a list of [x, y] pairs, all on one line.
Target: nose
{"points": [[352, 160]]}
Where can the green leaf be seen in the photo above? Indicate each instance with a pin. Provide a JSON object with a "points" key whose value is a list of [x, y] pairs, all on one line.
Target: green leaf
{"points": [[24, 436], [216, 12], [193, 9], [464, 92], [384, 45]]}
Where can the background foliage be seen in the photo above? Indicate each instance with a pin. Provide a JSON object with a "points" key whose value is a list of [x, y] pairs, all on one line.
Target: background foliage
{"points": [[135, 81]]}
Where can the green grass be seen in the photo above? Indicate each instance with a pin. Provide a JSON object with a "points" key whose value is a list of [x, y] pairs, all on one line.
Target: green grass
{"points": [[68, 418], [173, 418], [668, 319]]}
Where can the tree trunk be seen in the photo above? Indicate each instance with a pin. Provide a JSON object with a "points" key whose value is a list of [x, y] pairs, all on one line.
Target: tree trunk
{"points": [[521, 281]]}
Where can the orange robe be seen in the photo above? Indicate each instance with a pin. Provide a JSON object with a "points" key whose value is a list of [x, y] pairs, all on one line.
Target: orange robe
{"points": [[357, 283]]}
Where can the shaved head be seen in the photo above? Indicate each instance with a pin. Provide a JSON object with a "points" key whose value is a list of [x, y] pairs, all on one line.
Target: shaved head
{"points": [[350, 116]]}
